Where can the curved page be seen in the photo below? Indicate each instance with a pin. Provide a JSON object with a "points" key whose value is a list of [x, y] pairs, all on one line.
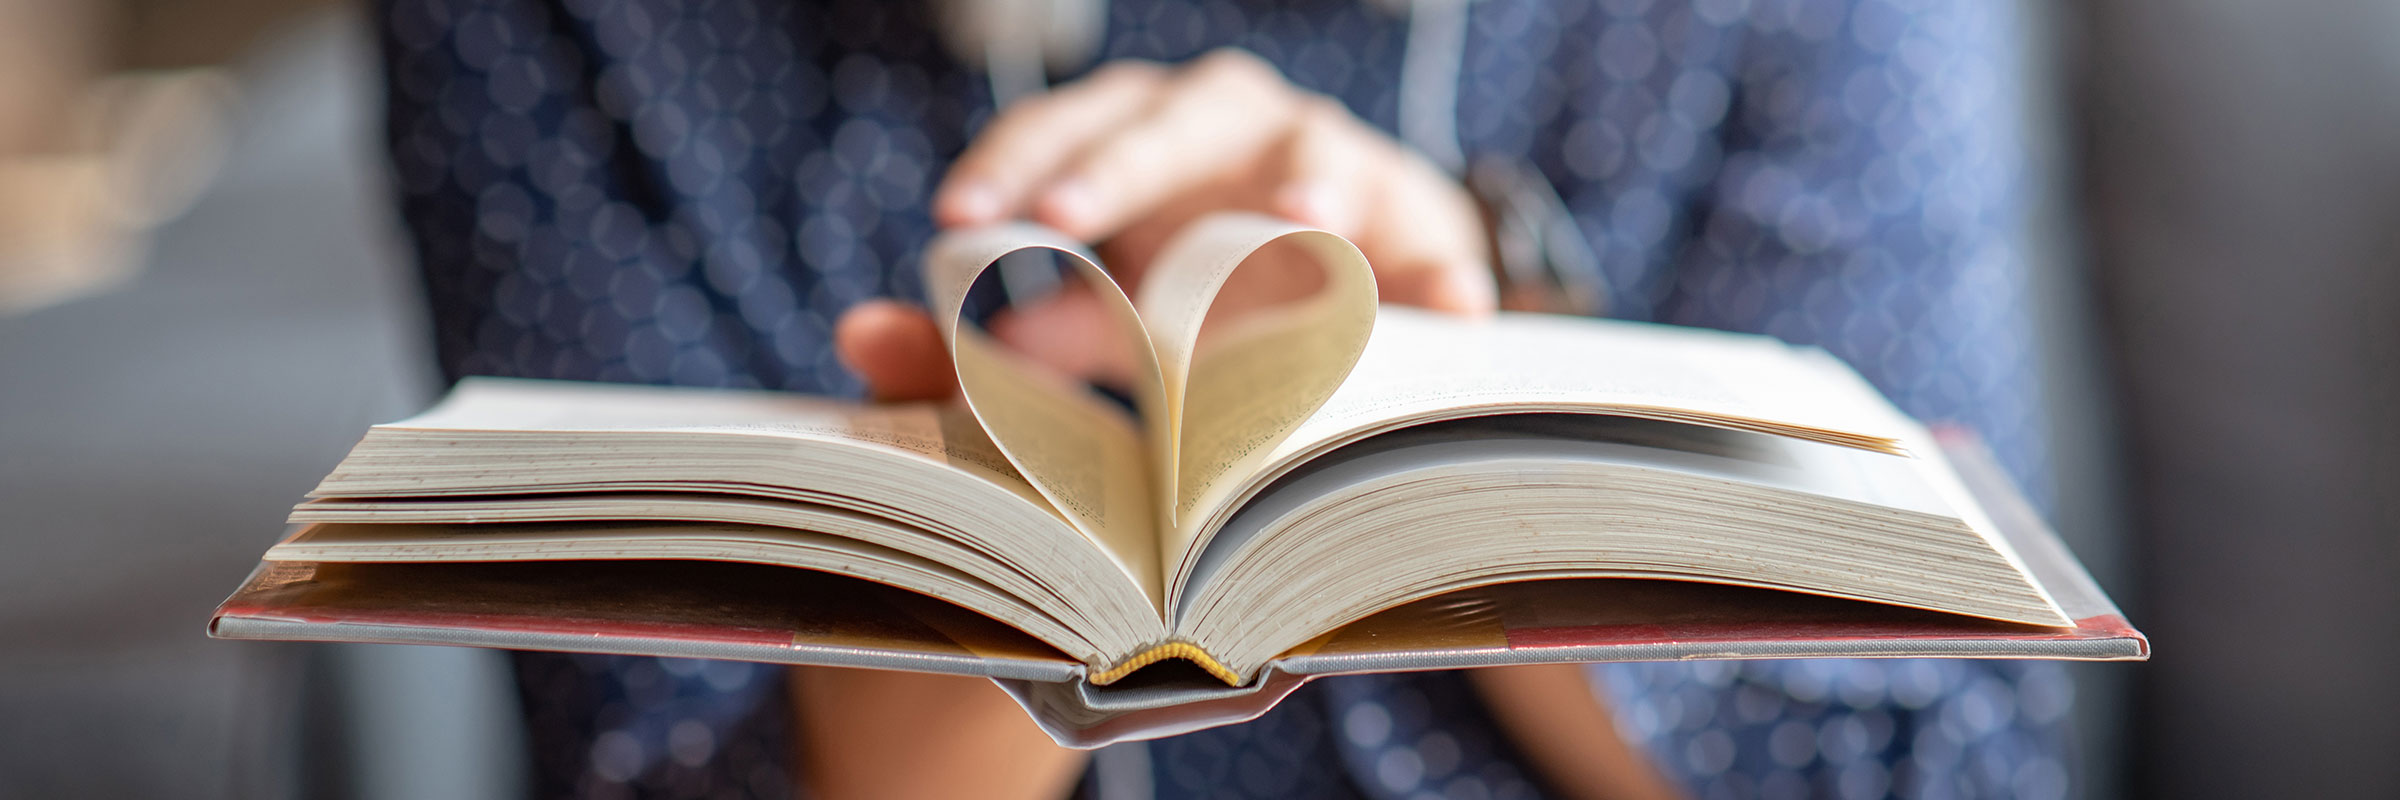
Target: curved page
{"points": [[1084, 455], [1235, 395]]}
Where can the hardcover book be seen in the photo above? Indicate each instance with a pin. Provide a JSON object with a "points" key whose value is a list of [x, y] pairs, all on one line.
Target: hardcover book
{"points": [[1310, 487]]}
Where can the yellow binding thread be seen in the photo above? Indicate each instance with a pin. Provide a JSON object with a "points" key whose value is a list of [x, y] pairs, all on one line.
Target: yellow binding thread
{"points": [[1183, 650]]}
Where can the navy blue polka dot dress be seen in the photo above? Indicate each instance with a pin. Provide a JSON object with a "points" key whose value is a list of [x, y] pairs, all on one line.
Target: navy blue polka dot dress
{"points": [[691, 191]]}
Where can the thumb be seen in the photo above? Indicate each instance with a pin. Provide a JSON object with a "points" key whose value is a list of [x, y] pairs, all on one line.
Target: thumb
{"points": [[1464, 288], [896, 349], [1071, 332]]}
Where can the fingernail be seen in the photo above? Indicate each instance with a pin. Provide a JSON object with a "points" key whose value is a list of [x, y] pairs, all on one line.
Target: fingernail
{"points": [[1313, 204], [1070, 204], [971, 203]]}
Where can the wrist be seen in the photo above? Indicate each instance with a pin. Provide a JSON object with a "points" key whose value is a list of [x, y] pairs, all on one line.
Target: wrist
{"points": [[1539, 256]]}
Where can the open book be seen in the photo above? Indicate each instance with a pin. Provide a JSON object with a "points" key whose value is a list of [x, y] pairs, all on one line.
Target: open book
{"points": [[1313, 487]]}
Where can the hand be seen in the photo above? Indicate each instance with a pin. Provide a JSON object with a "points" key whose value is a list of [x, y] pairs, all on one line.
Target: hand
{"points": [[1127, 156]]}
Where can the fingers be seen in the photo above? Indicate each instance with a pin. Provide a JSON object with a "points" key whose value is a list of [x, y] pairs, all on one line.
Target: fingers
{"points": [[1426, 240], [1031, 140], [898, 352], [1129, 152], [1449, 287], [1215, 118], [896, 349], [1325, 168]]}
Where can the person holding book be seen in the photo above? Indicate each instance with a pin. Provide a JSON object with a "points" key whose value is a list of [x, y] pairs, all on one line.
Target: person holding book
{"points": [[718, 194]]}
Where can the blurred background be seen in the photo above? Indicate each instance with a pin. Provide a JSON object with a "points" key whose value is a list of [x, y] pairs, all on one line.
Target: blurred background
{"points": [[204, 300]]}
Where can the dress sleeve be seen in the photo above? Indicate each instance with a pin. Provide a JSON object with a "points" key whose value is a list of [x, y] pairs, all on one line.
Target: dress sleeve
{"points": [[1850, 176], [1835, 173], [1869, 201], [651, 193]]}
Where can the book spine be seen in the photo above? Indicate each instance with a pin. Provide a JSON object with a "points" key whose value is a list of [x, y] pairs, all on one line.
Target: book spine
{"points": [[1183, 650]]}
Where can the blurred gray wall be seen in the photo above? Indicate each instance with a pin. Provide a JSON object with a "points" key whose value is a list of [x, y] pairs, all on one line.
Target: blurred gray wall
{"points": [[152, 438], [2086, 467], [2242, 168]]}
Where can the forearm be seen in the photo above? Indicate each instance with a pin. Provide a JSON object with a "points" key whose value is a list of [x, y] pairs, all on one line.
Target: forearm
{"points": [[1568, 733], [868, 733]]}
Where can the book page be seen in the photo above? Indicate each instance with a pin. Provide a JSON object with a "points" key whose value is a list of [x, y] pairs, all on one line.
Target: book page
{"points": [[942, 432], [1231, 398], [1085, 455], [1422, 364]]}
